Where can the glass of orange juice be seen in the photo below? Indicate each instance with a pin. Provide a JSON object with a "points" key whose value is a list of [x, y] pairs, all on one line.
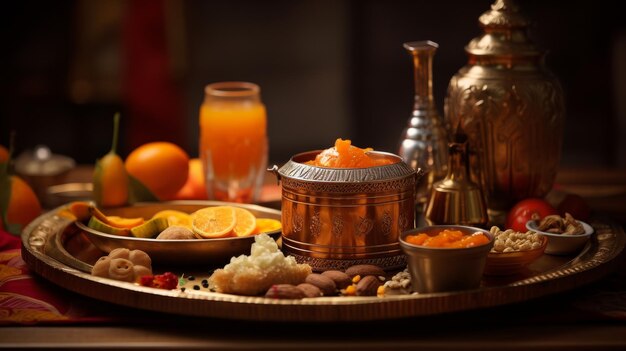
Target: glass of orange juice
{"points": [[233, 141]]}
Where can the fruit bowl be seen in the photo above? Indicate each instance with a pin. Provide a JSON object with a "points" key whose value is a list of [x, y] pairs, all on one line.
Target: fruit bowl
{"points": [[563, 244], [512, 263], [213, 252]]}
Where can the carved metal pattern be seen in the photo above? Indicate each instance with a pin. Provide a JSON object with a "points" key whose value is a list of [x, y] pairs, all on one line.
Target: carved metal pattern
{"points": [[514, 134], [512, 109], [386, 224], [394, 185], [297, 222], [316, 224], [363, 226], [403, 222], [318, 264], [337, 225]]}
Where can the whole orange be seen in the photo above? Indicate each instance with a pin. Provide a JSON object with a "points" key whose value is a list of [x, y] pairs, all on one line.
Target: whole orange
{"points": [[194, 188], [161, 166], [23, 206]]}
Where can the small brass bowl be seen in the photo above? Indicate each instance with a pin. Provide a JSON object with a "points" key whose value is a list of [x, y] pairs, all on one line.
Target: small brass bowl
{"points": [[435, 269], [515, 262]]}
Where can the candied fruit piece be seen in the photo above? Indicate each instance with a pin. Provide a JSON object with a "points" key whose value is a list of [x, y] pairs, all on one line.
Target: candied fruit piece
{"points": [[346, 155], [167, 281]]}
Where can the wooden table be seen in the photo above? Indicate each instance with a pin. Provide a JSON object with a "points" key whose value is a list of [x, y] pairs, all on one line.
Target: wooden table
{"points": [[591, 317]]}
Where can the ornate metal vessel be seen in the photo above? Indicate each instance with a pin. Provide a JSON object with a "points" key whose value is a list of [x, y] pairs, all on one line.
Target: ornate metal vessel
{"points": [[456, 199], [334, 218], [512, 109], [423, 143]]}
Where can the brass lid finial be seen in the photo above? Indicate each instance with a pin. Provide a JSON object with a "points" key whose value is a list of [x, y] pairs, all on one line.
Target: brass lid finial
{"points": [[504, 29]]}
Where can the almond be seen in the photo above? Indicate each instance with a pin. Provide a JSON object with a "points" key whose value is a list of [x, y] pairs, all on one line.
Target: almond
{"points": [[285, 291], [365, 269], [324, 283], [368, 286], [310, 290], [341, 279]]}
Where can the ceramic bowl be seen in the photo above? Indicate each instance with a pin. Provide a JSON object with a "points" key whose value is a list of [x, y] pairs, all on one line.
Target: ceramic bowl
{"points": [[563, 244], [515, 262], [435, 269]]}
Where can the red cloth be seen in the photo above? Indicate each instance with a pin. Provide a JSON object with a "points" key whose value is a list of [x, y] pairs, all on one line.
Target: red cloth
{"points": [[27, 299]]}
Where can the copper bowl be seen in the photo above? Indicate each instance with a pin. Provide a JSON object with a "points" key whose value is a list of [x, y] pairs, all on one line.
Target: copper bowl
{"points": [[513, 262], [334, 218]]}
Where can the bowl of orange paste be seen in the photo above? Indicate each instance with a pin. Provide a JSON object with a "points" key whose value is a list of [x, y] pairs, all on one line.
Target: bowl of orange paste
{"points": [[446, 257]]}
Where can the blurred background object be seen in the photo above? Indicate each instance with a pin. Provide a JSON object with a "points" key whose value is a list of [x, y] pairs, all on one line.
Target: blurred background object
{"points": [[328, 69]]}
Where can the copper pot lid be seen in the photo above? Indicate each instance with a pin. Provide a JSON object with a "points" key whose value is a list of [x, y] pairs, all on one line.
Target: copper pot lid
{"points": [[296, 169]]}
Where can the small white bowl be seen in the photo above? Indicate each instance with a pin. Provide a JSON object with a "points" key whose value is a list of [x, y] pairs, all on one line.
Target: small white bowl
{"points": [[563, 244]]}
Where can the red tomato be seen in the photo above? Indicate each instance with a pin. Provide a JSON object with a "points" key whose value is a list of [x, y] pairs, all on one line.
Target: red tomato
{"points": [[523, 211]]}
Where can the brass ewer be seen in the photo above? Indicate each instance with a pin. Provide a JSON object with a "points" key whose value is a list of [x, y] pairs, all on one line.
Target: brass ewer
{"points": [[456, 199], [511, 108]]}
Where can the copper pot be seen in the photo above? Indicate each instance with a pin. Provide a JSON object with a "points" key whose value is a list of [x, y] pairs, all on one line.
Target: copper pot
{"points": [[334, 218]]}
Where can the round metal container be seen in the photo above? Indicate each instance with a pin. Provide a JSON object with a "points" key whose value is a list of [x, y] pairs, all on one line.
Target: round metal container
{"points": [[334, 218]]}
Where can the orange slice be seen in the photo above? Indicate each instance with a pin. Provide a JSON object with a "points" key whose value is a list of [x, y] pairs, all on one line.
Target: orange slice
{"points": [[246, 222], [121, 222], [175, 218], [266, 225], [214, 222]]}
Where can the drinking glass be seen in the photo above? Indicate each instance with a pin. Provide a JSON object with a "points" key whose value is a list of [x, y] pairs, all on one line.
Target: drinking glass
{"points": [[233, 141]]}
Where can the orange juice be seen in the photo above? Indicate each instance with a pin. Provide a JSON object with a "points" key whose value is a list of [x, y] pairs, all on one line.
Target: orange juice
{"points": [[233, 141]]}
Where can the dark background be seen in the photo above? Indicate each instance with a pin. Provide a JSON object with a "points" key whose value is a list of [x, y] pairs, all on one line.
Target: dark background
{"points": [[327, 69]]}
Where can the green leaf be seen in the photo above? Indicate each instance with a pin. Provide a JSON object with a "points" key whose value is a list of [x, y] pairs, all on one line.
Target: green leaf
{"points": [[138, 192]]}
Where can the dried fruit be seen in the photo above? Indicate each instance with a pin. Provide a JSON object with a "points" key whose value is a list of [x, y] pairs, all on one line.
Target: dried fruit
{"points": [[176, 233], [341, 279], [368, 286], [364, 269], [310, 290], [167, 281], [324, 283], [285, 291]]}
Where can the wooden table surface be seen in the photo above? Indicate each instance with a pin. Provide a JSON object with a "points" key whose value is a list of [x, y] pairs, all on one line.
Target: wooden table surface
{"points": [[592, 317]]}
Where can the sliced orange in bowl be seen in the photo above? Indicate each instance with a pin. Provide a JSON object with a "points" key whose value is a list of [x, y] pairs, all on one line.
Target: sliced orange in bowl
{"points": [[175, 218], [266, 225], [246, 222], [214, 222]]}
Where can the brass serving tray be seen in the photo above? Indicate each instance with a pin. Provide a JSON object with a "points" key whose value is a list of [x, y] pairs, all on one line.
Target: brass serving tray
{"points": [[54, 248]]}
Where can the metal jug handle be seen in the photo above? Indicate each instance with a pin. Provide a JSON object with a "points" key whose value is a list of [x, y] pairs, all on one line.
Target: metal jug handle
{"points": [[274, 169]]}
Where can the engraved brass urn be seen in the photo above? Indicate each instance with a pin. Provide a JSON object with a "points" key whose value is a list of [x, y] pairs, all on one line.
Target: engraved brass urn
{"points": [[512, 109], [333, 218]]}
